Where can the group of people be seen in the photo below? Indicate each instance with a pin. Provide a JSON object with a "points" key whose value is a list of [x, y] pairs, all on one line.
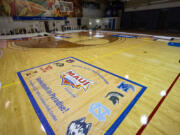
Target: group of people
{"points": [[20, 31]]}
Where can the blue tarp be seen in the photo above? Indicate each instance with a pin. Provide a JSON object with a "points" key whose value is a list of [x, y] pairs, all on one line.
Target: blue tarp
{"points": [[174, 44]]}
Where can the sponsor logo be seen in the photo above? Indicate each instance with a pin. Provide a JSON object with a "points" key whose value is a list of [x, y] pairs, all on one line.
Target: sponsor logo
{"points": [[59, 64], [99, 111], [125, 87], [69, 61], [79, 127], [31, 73], [49, 67], [74, 80], [114, 97]]}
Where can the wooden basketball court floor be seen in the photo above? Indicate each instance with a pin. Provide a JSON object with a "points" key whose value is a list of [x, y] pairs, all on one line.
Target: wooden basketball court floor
{"points": [[151, 63]]}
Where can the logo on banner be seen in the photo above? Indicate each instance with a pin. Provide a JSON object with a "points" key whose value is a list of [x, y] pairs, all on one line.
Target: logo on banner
{"points": [[74, 80], [99, 111], [125, 87], [31, 73], [114, 97], [47, 68], [59, 64], [79, 127], [70, 61]]}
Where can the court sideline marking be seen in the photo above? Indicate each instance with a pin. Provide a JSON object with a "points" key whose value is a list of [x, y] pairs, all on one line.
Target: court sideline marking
{"points": [[157, 106], [10, 84]]}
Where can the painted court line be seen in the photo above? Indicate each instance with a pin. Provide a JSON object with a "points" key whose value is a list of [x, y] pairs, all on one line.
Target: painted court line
{"points": [[157, 106], [10, 84]]}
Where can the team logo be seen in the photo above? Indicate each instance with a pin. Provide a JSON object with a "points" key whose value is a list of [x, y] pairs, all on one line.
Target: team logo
{"points": [[99, 111], [79, 127], [125, 87], [59, 64], [114, 97], [70, 61], [71, 78]]}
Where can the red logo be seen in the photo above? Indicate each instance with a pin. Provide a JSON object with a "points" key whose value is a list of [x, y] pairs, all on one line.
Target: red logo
{"points": [[76, 81], [46, 68]]}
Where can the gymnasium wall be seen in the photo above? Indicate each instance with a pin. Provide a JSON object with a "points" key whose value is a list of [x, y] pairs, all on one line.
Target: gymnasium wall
{"points": [[142, 5], [93, 9], [165, 19], [38, 8], [7, 24], [104, 23]]}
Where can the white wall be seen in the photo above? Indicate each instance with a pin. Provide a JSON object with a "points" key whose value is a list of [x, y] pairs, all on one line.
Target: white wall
{"points": [[73, 22], [7, 24], [103, 21], [85, 21]]}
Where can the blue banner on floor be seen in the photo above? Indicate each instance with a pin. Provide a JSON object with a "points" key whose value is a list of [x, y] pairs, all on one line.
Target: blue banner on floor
{"points": [[124, 36], [61, 36], [174, 44]]}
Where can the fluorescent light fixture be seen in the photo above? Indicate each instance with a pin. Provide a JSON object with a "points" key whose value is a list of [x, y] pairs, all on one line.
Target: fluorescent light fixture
{"points": [[97, 21]]}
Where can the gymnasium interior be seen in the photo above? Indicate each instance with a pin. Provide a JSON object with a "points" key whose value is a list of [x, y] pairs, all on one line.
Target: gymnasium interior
{"points": [[89, 67]]}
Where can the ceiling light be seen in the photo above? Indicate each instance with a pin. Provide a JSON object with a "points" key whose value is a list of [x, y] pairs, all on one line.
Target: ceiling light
{"points": [[97, 21]]}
